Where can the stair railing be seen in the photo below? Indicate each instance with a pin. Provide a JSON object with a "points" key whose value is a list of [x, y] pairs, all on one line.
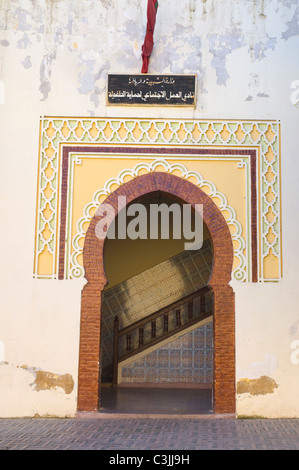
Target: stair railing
{"points": [[171, 319]]}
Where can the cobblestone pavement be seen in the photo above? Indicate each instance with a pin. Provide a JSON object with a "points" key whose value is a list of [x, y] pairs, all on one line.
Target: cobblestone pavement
{"points": [[149, 434]]}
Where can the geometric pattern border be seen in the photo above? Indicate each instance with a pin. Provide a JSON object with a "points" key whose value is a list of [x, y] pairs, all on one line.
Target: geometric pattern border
{"points": [[261, 137]]}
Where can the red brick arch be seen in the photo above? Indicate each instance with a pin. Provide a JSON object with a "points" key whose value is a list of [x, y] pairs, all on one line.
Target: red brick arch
{"points": [[224, 306]]}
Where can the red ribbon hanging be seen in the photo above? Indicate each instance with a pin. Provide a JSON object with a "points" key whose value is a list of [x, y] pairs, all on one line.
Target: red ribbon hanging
{"points": [[152, 7]]}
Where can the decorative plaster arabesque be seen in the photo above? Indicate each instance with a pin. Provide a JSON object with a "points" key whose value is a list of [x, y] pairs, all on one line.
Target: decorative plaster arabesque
{"points": [[240, 273], [262, 136]]}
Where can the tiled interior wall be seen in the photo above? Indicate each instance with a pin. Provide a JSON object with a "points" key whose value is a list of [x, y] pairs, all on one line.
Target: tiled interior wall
{"points": [[151, 290], [188, 359]]}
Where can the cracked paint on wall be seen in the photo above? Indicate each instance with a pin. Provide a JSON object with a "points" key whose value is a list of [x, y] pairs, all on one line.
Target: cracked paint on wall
{"points": [[24, 42], [193, 43], [45, 74], [261, 47], [38, 387], [293, 26], [220, 46], [261, 386], [27, 62], [48, 380]]}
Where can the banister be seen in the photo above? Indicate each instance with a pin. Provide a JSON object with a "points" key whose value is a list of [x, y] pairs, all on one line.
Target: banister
{"points": [[204, 290], [168, 334]]}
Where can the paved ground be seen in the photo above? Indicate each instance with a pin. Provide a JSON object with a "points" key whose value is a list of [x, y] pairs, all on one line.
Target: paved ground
{"points": [[139, 434]]}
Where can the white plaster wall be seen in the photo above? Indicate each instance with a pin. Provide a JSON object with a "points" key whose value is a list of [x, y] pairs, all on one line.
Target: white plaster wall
{"points": [[54, 57]]}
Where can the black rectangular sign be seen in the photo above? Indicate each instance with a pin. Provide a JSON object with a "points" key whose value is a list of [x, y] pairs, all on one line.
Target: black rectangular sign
{"points": [[153, 90]]}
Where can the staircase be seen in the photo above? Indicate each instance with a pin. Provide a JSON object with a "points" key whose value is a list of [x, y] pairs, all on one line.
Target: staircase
{"points": [[159, 326]]}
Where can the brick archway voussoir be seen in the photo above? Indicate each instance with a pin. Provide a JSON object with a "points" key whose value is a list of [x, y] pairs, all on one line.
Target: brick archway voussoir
{"points": [[224, 309]]}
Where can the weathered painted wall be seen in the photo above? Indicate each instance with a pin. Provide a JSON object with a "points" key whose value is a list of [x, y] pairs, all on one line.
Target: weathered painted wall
{"points": [[54, 58]]}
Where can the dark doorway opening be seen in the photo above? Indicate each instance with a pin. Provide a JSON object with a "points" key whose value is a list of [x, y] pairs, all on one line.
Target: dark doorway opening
{"points": [[223, 299], [145, 275]]}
